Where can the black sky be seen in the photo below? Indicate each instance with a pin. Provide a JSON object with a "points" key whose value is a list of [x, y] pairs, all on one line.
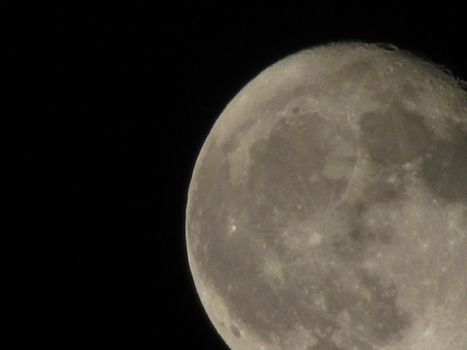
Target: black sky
{"points": [[105, 112]]}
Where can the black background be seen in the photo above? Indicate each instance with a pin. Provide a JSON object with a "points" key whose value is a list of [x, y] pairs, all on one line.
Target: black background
{"points": [[105, 112]]}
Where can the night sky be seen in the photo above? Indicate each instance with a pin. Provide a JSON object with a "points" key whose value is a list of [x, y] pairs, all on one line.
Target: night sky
{"points": [[105, 112]]}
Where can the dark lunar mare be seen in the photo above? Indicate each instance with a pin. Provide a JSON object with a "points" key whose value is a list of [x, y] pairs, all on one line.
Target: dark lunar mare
{"points": [[277, 181], [445, 169]]}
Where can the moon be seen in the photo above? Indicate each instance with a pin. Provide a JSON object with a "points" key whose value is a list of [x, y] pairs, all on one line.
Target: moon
{"points": [[327, 209]]}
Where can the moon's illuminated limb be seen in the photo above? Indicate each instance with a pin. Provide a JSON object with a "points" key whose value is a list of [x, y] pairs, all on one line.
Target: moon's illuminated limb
{"points": [[328, 206]]}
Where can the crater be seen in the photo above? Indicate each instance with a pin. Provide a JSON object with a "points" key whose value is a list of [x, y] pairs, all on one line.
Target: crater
{"points": [[296, 110], [235, 331]]}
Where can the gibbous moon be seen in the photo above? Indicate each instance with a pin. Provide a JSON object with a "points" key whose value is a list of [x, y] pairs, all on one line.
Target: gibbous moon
{"points": [[328, 206]]}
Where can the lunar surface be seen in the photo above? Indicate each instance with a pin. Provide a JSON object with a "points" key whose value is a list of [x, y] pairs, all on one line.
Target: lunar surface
{"points": [[328, 206]]}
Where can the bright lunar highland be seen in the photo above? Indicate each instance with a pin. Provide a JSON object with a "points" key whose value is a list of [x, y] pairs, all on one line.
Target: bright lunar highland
{"points": [[328, 206]]}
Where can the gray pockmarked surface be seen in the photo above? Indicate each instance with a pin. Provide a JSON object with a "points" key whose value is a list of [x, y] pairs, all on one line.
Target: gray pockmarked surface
{"points": [[328, 206]]}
